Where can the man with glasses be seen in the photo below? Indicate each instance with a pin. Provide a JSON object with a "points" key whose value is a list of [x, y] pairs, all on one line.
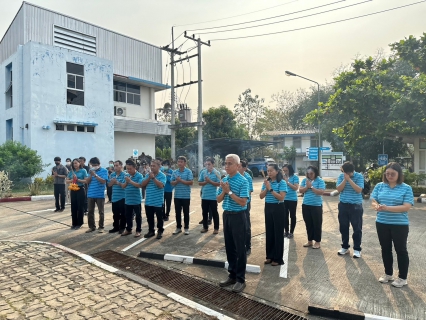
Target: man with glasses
{"points": [[234, 192], [350, 185]]}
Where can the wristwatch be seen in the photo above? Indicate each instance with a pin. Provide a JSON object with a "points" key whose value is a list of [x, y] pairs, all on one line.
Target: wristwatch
{"points": [[230, 192], [271, 190]]}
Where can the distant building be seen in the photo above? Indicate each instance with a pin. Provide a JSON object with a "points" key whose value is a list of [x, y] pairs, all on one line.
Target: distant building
{"points": [[74, 89]]}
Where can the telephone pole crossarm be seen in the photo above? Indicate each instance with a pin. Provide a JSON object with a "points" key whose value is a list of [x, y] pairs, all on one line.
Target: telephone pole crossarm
{"points": [[186, 58]]}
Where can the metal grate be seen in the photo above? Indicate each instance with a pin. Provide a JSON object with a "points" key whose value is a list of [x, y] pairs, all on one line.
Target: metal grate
{"points": [[196, 289]]}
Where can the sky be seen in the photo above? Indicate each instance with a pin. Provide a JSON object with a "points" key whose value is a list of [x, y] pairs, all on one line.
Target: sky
{"points": [[229, 67]]}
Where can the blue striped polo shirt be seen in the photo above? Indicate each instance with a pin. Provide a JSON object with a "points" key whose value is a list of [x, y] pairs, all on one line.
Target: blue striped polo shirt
{"points": [[292, 194], [81, 174], [310, 198], [396, 196], [238, 185], [209, 190], [182, 191], [154, 196], [348, 194], [96, 189], [168, 187], [278, 187], [118, 192], [250, 181], [133, 194]]}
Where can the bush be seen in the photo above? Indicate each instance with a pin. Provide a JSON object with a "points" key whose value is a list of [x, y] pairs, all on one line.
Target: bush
{"points": [[376, 176], [419, 190], [5, 185], [49, 180], [410, 178], [330, 185]]}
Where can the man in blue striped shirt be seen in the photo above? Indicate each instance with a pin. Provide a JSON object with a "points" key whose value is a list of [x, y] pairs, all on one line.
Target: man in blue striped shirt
{"points": [[234, 192], [350, 185], [154, 199], [242, 169], [118, 198]]}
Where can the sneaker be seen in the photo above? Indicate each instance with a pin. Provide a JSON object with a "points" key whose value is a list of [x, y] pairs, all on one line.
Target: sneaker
{"points": [[399, 283], [357, 254], [101, 230], [290, 236], [186, 231], [149, 234], [90, 230], [137, 234], [385, 278], [177, 231], [343, 251], [202, 231]]}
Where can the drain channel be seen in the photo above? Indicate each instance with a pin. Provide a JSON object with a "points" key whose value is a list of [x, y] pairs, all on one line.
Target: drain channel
{"points": [[196, 289]]}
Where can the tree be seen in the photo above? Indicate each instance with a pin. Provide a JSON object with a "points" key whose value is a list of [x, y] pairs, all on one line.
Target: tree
{"points": [[19, 161], [248, 112], [220, 123], [412, 50], [184, 136], [289, 154]]}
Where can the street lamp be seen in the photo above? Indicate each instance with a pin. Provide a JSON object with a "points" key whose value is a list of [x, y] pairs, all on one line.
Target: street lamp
{"points": [[291, 74]]}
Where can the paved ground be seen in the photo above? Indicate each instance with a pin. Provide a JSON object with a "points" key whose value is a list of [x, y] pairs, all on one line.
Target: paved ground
{"points": [[314, 276]]}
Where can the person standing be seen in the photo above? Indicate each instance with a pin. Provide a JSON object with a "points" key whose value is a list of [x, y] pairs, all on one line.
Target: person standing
{"points": [[350, 185], [209, 179], [98, 177], [312, 187], [274, 190], [87, 168], [392, 199], [133, 196], [182, 180], [154, 183], [144, 169], [290, 202], [118, 198], [60, 173], [78, 176], [68, 165], [243, 171], [110, 171], [234, 192], [168, 189]]}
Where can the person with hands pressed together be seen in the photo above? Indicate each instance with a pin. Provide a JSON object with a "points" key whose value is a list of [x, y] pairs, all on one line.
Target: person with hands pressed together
{"points": [[78, 176], [290, 201], [313, 187], [154, 183], [274, 190], [60, 173], [243, 171], [118, 198], [234, 192], [392, 199], [168, 189]]}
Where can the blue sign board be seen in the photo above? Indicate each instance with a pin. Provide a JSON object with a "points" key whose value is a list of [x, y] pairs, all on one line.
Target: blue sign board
{"points": [[325, 149], [383, 159], [313, 153]]}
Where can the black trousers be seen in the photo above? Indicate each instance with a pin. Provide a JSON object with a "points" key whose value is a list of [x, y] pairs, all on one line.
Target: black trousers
{"points": [[167, 203], [290, 213], [234, 231], [119, 214], [109, 193], [150, 212], [350, 214], [85, 198], [207, 207], [312, 215], [77, 207], [129, 217], [59, 192], [248, 227], [274, 225], [182, 204], [396, 234]]}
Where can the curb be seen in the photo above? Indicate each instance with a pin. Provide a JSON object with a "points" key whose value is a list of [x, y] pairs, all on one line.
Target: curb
{"points": [[168, 293], [191, 260], [344, 314], [15, 199]]}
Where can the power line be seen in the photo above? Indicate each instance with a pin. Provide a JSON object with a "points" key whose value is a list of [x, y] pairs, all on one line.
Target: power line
{"points": [[240, 15], [281, 15], [306, 16], [320, 25]]}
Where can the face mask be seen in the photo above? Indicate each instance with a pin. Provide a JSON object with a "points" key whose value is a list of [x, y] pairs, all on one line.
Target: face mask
{"points": [[95, 167], [111, 165], [165, 167], [68, 163]]}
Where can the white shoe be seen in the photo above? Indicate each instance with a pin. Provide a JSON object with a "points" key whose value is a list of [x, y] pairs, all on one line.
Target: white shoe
{"points": [[357, 254], [342, 251], [177, 231], [186, 231], [385, 278], [399, 283]]}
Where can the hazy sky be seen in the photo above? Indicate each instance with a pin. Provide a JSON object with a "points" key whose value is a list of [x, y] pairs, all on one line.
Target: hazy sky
{"points": [[232, 66]]}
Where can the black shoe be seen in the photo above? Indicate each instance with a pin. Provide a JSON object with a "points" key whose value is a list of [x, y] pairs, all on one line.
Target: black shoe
{"points": [[166, 218], [77, 227], [248, 251], [57, 210], [227, 282], [210, 222], [201, 222], [113, 230], [121, 231], [62, 210], [238, 287], [149, 234], [72, 227], [159, 235]]}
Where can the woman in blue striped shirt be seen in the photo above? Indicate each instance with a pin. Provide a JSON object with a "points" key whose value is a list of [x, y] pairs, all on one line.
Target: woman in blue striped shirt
{"points": [[290, 201], [392, 199]]}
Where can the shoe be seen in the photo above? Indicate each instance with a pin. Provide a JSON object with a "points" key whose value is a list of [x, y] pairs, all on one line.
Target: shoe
{"points": [[90, 230], [113, 230], [274, 264], [285, 234], [308, 244], [209, 222], [85, 213], [201, 222], [77, 227], [61, 209], [343, 251], [238, 287], [215, 231], [357, 254], [385, 278], [57, 210], [290, 236], [227, 282], [137, 234], [101, 230], [126, 233], [202, 231], [159, 235], [121, 231], [267, 261], [166, 218], [177, 231], [317, 245], [186, 231], [399, 283], [248, 251], [72, 227], [149, 234]]}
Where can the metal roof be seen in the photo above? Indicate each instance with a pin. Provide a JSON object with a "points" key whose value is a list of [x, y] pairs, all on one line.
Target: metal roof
{"points": [[304, 132]]}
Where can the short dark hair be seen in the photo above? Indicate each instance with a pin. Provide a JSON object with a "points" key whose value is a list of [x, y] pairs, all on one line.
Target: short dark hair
{"points": [[78, 160], [290, 169], [243, 163], [182, 158], [210, 159], [82, 158], [314, 169], [57, 159], [166, 162], [159, 159], [395, 166], [94, 160], [348, 167], [68, 159], [119, 162], [130, 162]]}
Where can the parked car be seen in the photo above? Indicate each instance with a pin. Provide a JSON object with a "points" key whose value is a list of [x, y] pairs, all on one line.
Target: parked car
{"points": [[259, 165]]}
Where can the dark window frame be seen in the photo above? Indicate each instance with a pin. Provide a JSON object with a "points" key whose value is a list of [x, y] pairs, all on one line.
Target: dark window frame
{"points": [[75, 96], [124, 91]]}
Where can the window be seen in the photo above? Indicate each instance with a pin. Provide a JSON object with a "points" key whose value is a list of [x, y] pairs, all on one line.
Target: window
{"points": [[70, 127], [75, 84], [422, 143], [90, 129], [297, 142], [60, 127], [9, 129], [314, 142], [80, 128], [75, 128], [9, 91], [127, 93]]}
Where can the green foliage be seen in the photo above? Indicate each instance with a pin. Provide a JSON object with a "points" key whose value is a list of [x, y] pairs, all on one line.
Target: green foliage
{"points": [[411, 178], [301, 171], [330, 185], [48, 181], [412, 50], [376, 176], [418, 190], [5, 184], [164, 154], [20, 161], [289, 154], [220, 123], [35, 188], [184, 137], [248, 113], [218, 163]]}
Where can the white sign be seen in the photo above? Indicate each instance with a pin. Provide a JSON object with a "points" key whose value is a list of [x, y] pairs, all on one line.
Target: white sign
{"points": [[135, 153]]}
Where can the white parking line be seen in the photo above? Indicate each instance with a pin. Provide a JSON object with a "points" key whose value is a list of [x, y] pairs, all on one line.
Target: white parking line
{"points": [[284, 267], [41, 211]]}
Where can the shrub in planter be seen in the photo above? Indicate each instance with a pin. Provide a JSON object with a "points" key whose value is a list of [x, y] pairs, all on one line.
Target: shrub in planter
{"points": [[5, 185]]}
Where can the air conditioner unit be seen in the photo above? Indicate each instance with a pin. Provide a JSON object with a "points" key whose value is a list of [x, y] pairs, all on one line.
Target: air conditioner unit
{"points": [[120, 111]]}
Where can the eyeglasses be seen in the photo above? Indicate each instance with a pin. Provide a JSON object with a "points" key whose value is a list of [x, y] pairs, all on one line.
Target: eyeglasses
{"points": [[390, 174]]}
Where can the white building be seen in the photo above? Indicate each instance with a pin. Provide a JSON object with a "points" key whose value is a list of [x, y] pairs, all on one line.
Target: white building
{"points": [[74, 89]]}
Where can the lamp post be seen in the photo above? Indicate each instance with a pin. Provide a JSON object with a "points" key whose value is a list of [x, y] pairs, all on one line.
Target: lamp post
{"points": [[291, 74]]}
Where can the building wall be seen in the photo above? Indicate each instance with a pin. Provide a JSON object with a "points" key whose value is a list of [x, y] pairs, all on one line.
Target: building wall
{"points": [[125, 142], [13, 37], [142, 111]]}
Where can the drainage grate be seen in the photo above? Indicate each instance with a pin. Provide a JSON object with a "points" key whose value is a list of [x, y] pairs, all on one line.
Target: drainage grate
{"points": [[196, 289]]}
